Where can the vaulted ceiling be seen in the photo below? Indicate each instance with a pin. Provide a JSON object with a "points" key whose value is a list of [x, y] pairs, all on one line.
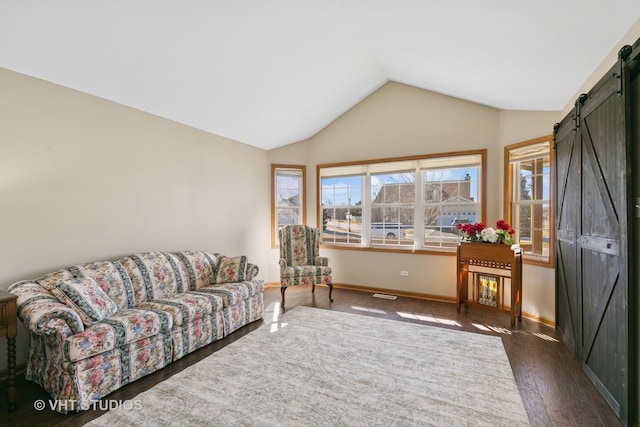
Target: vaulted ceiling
{"points": [[271, 73]]}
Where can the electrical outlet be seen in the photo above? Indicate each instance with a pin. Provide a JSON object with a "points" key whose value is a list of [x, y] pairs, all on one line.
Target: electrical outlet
{"points": [[404, 273]]}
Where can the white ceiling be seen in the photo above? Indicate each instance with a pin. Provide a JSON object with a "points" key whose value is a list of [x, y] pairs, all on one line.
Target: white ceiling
{"points": [[271, 73]]}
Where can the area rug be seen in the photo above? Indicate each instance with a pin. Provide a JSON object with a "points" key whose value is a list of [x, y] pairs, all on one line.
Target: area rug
{"points": [[314, 367]]}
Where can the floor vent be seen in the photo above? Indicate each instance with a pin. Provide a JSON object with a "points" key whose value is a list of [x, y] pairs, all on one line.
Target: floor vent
{"points": [[384, 296]]}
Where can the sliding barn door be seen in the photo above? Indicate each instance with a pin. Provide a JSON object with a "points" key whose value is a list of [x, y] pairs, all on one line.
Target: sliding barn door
{"points": [[567, 161], [602, 241], [592, 258]]}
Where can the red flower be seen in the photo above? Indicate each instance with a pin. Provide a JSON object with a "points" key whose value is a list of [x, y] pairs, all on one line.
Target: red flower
{"points": [[502, 225], [471, 229], [473, 232]]}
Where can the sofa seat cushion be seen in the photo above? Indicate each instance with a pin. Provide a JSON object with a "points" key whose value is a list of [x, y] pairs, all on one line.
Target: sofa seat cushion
{"points": [[185, 307], [234, 293], [125, 326], [307, 274]]}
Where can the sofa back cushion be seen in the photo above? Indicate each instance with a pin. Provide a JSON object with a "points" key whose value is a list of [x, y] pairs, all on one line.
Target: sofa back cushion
{"points": [[154, 275], [50, 280], [200, 268], [111, 277]]}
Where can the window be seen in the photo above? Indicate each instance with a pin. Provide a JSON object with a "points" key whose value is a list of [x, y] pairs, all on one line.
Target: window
{"points": [[393, 196], [342, 209], [528, 197], [405, 203], [288, 198], [452, 197]]}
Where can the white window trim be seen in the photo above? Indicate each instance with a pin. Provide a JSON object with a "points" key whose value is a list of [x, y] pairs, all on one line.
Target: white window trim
{"points": [[419, 164], [514, 154], [274, 206]]}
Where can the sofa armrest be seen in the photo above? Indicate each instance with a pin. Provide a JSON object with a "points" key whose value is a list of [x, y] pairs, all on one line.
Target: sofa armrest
{"points": [[44, 314], [283, 263], [252, 271], [322, 261]]}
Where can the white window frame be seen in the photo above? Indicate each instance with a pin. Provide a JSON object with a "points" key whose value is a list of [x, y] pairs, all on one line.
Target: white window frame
{"points": [[418, 165], [294, 171], [514, 156]]}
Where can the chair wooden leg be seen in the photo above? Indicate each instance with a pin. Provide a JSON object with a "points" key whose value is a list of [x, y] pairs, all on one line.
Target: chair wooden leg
{"points": [[282, 291], [330, 290]]}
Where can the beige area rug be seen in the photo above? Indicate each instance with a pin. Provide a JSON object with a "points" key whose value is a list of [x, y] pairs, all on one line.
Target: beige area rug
{"points": [[314, 367]]}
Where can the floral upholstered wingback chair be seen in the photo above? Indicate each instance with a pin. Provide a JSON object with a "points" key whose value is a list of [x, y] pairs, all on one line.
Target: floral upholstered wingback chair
{"points": [[300, 262]]}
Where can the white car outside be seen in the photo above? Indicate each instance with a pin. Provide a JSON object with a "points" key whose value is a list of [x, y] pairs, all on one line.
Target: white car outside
{"points": [[388, 230]]}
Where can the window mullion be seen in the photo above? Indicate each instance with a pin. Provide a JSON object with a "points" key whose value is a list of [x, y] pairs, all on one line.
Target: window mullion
{"points": [[418, 211], [366, 211]]}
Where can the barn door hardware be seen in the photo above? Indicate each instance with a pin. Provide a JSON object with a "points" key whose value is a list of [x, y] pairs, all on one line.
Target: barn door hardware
{"points": [[623, 55]]}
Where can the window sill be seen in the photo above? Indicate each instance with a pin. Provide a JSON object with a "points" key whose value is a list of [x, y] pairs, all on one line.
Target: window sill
{"points": [[399, 250]]}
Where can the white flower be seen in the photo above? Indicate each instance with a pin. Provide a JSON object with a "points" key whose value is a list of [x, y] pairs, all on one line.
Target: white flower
{"points": [[489, 235]]}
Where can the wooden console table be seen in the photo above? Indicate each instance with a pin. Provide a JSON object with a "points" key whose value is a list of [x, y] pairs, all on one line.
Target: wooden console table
{"points": [[500, 258], [9, 329]]}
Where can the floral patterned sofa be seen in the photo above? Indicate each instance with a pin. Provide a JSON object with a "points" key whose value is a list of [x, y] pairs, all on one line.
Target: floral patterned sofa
{"points": [[98, 326]]}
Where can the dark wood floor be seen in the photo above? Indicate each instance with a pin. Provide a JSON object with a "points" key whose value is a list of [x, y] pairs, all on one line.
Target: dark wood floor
{"points": [[553, 387]]}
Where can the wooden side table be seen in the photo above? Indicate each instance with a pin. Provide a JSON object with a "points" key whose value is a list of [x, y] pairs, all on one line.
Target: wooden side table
{"points": [[507, 259], [9, 329]]}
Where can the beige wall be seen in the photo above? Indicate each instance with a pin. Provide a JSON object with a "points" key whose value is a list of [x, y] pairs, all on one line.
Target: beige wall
{"points": [[538, 284], [399, 120], [85, 179], [629, 39]]}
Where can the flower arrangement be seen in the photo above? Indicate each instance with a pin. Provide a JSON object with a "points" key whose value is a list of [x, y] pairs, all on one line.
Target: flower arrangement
{"points": [[479, 232]]}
